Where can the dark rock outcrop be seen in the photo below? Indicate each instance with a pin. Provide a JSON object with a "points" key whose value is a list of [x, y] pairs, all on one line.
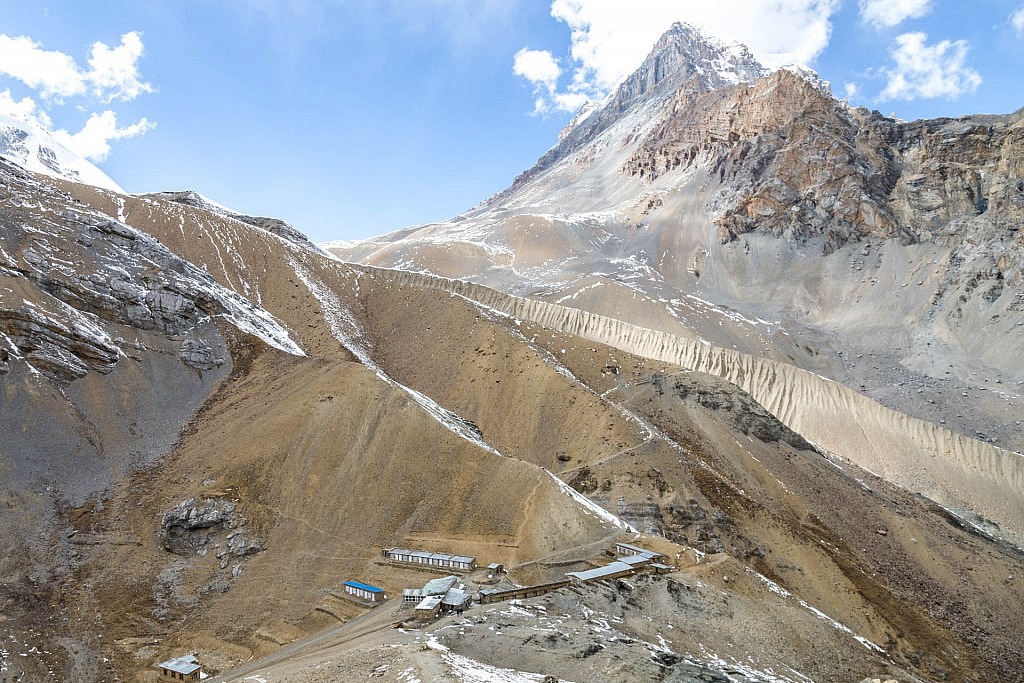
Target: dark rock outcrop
{"points": [[198, 524], [83, 283]]}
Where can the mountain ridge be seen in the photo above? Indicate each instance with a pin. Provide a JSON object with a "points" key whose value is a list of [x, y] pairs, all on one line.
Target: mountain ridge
{"points": [[701, 212]]}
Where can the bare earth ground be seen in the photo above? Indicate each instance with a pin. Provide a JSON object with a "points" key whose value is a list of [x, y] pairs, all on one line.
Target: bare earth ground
{"points": [[327, 460]]}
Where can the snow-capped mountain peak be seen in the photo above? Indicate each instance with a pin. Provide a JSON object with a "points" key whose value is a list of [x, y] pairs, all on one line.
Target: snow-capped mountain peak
{"points": [[34, 149], [685, 57], [684, 52], [683, 60]]}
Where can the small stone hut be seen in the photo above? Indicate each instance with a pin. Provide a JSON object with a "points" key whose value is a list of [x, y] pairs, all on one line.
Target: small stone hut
{"points": [[184, 668]]}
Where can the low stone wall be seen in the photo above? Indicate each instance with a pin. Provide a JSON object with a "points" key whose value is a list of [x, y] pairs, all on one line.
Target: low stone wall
{"points": [[522, 592]]}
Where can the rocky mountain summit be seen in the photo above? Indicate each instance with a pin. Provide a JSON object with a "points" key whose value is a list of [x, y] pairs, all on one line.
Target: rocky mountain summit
{"points": [[711, 199], [682, 61]]}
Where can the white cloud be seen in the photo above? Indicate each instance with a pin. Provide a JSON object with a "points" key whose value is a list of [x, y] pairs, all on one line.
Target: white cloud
{"points": [[112, 73], [889, 13], [610, 38], [540, 68], [1017, 20], [570, 101], [851, 90], [93, 141], [927, 71], [24, 109], [53, 74]]}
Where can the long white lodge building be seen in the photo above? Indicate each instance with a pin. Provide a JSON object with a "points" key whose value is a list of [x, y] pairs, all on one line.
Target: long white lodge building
{"points": [[430, 559]]}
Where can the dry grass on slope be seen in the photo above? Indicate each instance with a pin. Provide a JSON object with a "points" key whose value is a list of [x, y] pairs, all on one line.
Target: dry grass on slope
{"points": [[481, 366], [327, 464]]}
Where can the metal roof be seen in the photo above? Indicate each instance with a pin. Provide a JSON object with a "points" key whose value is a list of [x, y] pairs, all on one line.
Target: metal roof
{"points": [[363, 586], [430, 602], [438, 586], [611, 568], [455, 597], [185, 664], [461, 559], [634, 559]]}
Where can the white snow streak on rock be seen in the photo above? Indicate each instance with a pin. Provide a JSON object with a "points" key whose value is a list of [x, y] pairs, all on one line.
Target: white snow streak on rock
{"points": [[772, 586], [15, 353], [250, 318], [409, 676], [241, 312], [842, 627], [747, 671], [776, 588], [591, 505], [346, 330]]}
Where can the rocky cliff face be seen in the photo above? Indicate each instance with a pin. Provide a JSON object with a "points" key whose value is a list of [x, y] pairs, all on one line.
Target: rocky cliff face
{"points": [[787, 160], [81, 275]]}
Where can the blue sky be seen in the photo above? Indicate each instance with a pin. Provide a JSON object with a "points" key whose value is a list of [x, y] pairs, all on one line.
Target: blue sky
{"points": [[351, 118]]}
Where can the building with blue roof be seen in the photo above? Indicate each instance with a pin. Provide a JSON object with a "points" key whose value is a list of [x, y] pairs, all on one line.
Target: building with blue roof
{"points": [[365, 591]]}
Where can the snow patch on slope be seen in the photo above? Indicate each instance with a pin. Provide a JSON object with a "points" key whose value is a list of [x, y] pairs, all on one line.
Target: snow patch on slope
{"points": [[779, 590], [32, 148], [591, 506], [746, 671], [250, 318]]}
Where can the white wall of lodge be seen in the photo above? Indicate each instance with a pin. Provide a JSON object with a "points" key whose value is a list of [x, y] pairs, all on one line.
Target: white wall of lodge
{"points": [[360, 593], [430, 559]]}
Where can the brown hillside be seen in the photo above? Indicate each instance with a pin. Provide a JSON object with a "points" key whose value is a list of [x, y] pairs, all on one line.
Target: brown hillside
{"points": [[428, 413]]}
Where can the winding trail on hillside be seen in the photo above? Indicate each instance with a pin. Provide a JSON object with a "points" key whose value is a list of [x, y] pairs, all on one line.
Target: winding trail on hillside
{"points": [[606, 458], [958, 472]]}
